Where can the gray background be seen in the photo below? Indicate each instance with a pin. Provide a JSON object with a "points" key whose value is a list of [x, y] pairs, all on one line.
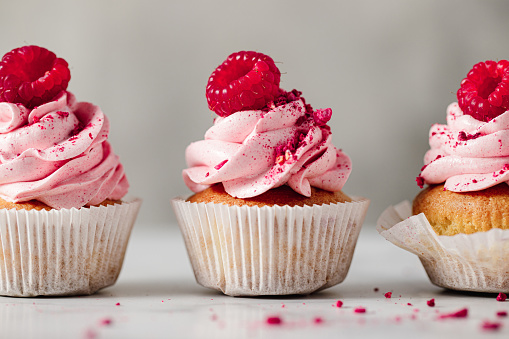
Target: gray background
{"points": [[388, 69]]}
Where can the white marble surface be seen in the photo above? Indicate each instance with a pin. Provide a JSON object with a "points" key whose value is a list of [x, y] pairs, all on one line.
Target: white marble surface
{"points": [[159, 298]]}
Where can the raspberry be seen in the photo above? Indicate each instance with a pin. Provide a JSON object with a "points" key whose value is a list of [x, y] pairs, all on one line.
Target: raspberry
{"points": [[484, 93], [32, 75], [244, 81]]}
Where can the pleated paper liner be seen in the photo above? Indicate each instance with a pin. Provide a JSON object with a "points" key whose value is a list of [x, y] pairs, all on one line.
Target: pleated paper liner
{"points": [[466, 262], [63, 252], [278, 250]]}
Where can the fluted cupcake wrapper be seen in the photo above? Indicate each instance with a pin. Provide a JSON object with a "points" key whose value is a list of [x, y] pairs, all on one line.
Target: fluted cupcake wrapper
{"points": [[278, 250], [467, 262], [63, 252]]}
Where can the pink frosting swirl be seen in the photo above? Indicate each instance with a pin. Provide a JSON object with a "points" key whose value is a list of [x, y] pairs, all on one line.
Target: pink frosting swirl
{"points": [[58, 153], [251, 152], [468, 154]]}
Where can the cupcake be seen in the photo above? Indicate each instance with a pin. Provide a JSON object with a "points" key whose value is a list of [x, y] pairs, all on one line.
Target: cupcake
{"points": [[64, 221], [464, 211], [268, 216]]}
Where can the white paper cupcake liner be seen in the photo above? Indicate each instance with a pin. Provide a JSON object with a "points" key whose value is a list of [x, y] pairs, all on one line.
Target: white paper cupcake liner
{"points": [[467, 262], [63, 252], [279, 250]]}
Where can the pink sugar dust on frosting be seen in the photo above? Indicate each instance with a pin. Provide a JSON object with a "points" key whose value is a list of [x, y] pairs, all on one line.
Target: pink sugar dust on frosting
{"points": [[467, 154], [267, 149], [58, 153]]}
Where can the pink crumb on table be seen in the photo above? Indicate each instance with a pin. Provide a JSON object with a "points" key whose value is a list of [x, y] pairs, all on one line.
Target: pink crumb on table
{"points": [[501, 314], [90, 334], [318, 320], [490, 326], [431, 302], [409, 304], [274, 320], [463, 313], [388, 295], [339, 303], [117, 304], [501, 297], [360, 310], [105, 322]]}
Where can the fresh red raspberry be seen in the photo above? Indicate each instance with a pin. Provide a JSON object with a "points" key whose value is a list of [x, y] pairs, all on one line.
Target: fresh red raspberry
{"points": [[244, 81], [32, 75], [484, 93]]}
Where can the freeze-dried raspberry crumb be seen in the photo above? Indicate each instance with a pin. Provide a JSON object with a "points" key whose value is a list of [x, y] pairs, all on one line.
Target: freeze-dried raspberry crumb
{"points": [[339, 303], [105, 322], [431, 302], [318, 320], [462, 136], [360, 310], [117, 304], [322, 116], [501, 314], [420, 181], [490, 326], [463, 313], [388, 295], [274, 321], [221, 164], [285, 97], [501, 297]]}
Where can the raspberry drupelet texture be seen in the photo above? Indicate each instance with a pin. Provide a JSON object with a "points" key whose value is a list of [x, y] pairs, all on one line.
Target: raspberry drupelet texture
{"points": [[484, 93], [244, 81], [32, 76]]}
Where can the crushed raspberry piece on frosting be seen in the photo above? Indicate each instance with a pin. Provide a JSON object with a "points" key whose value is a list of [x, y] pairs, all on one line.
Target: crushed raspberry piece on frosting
{"points": [[388, 295], [339, 304], [431, 302], [463, 136]]}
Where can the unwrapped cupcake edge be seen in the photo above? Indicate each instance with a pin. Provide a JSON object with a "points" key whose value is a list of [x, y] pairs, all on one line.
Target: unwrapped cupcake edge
{"points": [[64, 252], [471, 262], [270, 250]]}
